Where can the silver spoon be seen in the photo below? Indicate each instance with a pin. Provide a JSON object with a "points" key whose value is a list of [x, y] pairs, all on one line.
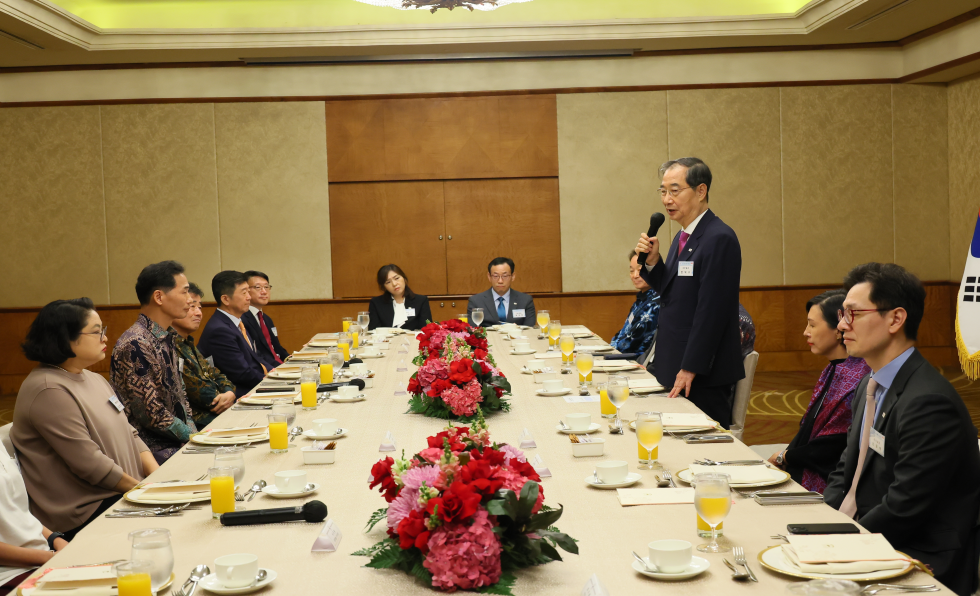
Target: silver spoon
{"points": [[562, 423], [256, 487], [199, 573], [737, 573], [259, 577], [595, 476], [643, 562], [295, 432]]}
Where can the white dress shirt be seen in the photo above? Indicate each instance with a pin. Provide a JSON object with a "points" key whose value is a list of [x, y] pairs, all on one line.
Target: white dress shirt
{"points": [[496, 301], [17, 526], [401, 315]]}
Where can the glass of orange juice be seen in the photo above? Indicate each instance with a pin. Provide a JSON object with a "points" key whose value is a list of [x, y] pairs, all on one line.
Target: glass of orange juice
{"points": [[346, 321], [326, 370], [309, 378], [355, 335], [344, 341], [649, 433], [222, 490], [133, 577], [554, 332], [606, 408], [278, 433], [544, 317], [584, 361], [713, 501], [566, 343]]}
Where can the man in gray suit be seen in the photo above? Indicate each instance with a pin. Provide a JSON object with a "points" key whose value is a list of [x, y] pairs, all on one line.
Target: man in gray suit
{"points": [[911, 469], [501, 303]]}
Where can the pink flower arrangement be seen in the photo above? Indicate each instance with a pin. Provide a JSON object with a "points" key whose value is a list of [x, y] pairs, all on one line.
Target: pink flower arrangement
{"points": [[464, 556], [465, 401]]}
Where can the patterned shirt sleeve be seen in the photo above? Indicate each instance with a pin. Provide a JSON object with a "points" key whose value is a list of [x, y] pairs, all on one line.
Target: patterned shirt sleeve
{"points": [[641, 324]]}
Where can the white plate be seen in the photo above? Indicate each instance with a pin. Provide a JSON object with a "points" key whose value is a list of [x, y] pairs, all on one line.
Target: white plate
{"points": [[207, 440], [136, 496], [283, 375], [544, 393], [311, 434], [698, 566], [596, 348], [592, 428], [631, 479], [522, 352], [683, 429], [363, 356], [773, 559], [267, 401], [648, 390], [342, 400], [273, 491], [779, 477], [211, 584]]}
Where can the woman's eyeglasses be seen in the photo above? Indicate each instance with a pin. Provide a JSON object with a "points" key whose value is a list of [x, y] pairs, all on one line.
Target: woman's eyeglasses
{"points": [[101, 334]]}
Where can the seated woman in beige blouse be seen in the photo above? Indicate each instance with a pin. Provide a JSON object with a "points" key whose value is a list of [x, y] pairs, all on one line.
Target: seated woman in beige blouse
{"points": [[77, 450]]}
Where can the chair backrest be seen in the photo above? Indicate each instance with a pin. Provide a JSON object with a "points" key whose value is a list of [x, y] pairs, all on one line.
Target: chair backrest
{"points": [[5, 438], [743, 389]]}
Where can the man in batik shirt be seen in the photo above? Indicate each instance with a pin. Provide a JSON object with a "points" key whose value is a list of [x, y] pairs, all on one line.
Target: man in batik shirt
{"points": [[145, 369], [641, 324], [209, 392]]}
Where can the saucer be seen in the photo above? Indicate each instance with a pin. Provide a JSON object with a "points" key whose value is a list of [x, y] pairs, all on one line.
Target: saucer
{"points": [[358, 397], [273, 491], [211, 584], [363, 356], [545, 393], [522, 352], [595, 426], [311, 434], [697, 567], [631, 479]]}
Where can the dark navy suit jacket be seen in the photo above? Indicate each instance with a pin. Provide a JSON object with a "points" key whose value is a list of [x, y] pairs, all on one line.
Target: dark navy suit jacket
{"points": [[261, 347], [223, 341]]}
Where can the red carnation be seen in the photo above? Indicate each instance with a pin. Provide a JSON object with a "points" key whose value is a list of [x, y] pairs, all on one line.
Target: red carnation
{"points": [[381, 475], [484, 366], [524, 469], [438, 386], [491, 456], [461, 371], [412, 532], [455, 444], [414, 386], [481, 476], [459, 503]]}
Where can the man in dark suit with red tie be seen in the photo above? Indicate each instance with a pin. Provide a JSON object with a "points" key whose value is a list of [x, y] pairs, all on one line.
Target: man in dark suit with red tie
{"points": [[259, 325], [697, 350]]}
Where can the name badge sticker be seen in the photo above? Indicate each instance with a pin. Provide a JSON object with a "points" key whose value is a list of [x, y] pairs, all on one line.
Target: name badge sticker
{"points": [[116, 403], [519, 312], [275, 332], [410, 312], [685, 268], [630, 320], [180, 364], [877, 442], [210, 360]]}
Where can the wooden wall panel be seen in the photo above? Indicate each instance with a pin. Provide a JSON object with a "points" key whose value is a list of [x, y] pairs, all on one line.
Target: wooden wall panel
{"points": [[518, 219], [376, 223], [446, 138]]}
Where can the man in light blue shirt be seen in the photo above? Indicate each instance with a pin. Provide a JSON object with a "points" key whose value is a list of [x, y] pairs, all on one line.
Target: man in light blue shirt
{"points": [[501, 303]]}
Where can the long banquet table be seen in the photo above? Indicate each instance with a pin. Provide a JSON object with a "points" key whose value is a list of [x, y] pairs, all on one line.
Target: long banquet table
{"points": [[606, 531]]}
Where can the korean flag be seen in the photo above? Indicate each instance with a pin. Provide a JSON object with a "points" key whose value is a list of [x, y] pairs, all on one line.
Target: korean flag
{"points": [[968, 311]]}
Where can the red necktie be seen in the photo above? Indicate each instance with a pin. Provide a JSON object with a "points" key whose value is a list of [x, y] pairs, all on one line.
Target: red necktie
{"points": [[682, 243], [268, 338]]}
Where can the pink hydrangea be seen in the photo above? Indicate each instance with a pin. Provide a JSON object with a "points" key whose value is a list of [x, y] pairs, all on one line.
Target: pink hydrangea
{"points": [[511, 452], [432, 370], [437, 339], [463, 402], [464, 557], [413, 479], [404, 503]]}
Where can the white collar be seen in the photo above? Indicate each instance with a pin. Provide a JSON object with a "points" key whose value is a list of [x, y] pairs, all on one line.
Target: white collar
{"points": [[254, 311], [497, 297], [233, 318], [690, 229]]}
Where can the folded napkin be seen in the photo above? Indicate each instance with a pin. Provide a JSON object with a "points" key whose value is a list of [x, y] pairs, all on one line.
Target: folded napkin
{"points": [[648, 384], [842, 553], [737, 474], [672, 419], [322, 343], [237, 432], [175, 491], [76, 577], [654, 496], [593, 348], [270, 395]]}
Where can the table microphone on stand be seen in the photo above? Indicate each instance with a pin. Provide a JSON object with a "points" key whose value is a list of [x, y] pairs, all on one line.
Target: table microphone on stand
{"points": [[312, 512]]}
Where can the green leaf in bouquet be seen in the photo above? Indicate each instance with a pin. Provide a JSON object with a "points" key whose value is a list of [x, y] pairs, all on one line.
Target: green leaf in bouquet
{"points": [[548, 551], [503, 586], [505, 506], [543, 519], [566, 542], [376, 517], [529, 496], [423, 574]]}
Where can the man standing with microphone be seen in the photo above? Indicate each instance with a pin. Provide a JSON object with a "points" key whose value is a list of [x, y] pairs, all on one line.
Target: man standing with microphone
{"points": [[697, 349]]}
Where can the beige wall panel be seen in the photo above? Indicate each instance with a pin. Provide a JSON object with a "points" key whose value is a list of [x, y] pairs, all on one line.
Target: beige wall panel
{"points": [[964, 170], [272, 194], [161, 196], [921, 180], [609, 148], [736, 132], [52, 232], [837, 180]]}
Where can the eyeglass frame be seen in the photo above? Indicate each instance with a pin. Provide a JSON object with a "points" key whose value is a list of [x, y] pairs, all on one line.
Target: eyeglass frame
{"points": [[673, 193], [101, 333], [260, 288], [499, 277], [843, 312]]}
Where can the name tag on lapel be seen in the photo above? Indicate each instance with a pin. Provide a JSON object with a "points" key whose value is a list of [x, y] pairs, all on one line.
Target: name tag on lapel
{"points": [[630, 320], [685, 268], [877, 442], [180, 364], [519, 312], [409, 312], [275, 332], [116, 403], [210, 360]]}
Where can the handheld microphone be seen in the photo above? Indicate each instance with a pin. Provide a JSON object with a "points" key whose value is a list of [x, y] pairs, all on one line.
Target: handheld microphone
{"points": [[656, 220], [326, 387], [312, 512]]}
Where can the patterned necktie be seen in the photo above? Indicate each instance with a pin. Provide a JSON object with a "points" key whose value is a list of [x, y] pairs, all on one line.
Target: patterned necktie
{"points": [[268, 337], [241, 327], [682, 243], [501, 311], [849, 505]]}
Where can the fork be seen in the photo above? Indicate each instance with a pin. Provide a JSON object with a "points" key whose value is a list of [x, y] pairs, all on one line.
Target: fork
{"points": [[668, 477], [739, 553], [736, 574], [875, 588], [239, 496]]}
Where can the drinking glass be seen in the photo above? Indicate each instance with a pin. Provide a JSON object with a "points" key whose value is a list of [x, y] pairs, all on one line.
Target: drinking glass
{"points": [[222, 490], [618, 389], [326, 369], [477, 315], [584, 362], [309, 380], [713, 501], [566, 343], [649, 433], [285, 406], [153, 546], [346, 321], [364, 319], [278, 433], [343, 344], [554, 332], [605, 406], [544, 317], [133, 578], [231, 457], [355, 335], [463, 317], [336, 357]]}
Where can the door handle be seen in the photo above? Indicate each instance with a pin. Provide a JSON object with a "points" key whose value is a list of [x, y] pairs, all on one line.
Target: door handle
{"points": [[454, 305], [450, 237], [441, 304], [440, 237]]}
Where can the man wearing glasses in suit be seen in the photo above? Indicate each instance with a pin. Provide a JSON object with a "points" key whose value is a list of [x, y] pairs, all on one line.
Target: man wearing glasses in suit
{"points": [[501, 303]]}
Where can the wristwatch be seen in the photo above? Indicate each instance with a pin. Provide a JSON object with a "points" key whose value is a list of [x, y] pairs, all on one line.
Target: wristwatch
{"points": [[52, 537], [780, 459]]}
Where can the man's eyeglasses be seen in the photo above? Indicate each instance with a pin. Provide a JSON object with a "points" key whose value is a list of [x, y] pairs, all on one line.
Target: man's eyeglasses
{"points": [[101, 334], [664, 191], [260, 288], [847, 314], [497, 277]]}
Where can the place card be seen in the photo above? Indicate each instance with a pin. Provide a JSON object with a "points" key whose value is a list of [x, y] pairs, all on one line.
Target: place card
{"points": [[77, 577], [655, 496], [389, 443], [538, 464], [580, 399], [527, 440], [329, 538], [594, 587]]}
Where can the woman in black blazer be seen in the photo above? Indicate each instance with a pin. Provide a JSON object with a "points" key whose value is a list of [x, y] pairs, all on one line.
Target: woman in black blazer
{"points": [[399, 306]]}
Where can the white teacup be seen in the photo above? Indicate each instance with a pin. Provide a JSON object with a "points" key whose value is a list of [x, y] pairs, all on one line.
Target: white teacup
{"points": [[369, 351], [359, 369], [325, 427], [612, 472], [347, 391], [670, 556], [541, 377], [380, 336], [521, 346], [291, 481], [236, 571], [535, 363], [515, 333], [578, 421], [553, 385]]}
